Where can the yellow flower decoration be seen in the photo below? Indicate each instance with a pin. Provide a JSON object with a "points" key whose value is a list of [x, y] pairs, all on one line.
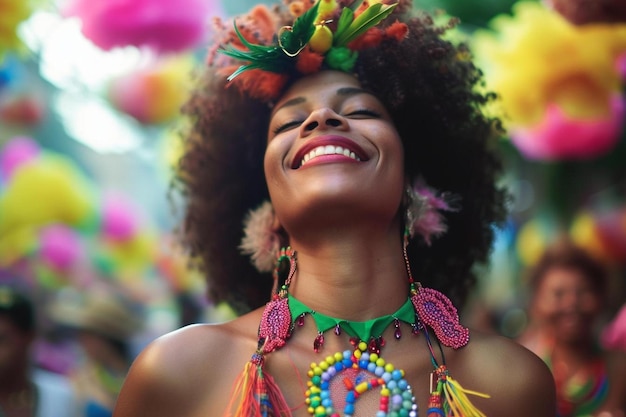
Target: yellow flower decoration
{"points": [[49, 190], [536, 58]]}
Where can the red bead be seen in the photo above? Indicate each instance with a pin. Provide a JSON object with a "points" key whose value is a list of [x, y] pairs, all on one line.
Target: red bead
{"points": [[318, 342]]}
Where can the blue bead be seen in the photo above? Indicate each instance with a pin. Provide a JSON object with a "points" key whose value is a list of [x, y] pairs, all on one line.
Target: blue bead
{"points": [[350, 398], [386, 376], [327, 402], [381, 414], [325, 385], [396, 374], [363, 364], [402, 384], [349, 409], [391, 385], [371, 367], [379, 371], [347, 363], [324, 394], [339, 366]]}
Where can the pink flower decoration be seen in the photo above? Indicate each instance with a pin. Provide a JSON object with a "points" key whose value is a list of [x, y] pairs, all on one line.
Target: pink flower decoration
{"points": [[119, 221], [560, 137], [153, 94], [60, 246], [18, 151], [614, 334], [165, 25]]}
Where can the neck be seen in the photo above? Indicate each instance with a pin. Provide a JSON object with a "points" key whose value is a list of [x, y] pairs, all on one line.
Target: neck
{"points": [[348, 275]]}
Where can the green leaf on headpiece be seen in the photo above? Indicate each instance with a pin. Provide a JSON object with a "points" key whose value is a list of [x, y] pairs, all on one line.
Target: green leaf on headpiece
{"points": [[267, 58], [346, 18], [274, 58], [369, 18], [292, 41]]}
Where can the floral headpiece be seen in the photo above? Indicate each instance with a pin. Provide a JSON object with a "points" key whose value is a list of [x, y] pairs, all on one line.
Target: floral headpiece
{"points": [[328, 34]]}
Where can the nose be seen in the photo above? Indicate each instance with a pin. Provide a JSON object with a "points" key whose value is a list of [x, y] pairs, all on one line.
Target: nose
{"points": [[322, 119]]}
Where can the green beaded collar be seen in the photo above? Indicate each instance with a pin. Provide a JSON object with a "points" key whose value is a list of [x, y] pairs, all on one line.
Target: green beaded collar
{"points": [[364, 330]]}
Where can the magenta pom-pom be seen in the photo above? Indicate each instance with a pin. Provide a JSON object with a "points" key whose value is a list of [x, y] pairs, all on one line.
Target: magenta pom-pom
{"points": [[17, 152], [164, 25], [60, 247]]}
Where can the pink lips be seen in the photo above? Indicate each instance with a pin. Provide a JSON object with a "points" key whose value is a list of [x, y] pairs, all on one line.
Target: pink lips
{"points": [[328, 140]]}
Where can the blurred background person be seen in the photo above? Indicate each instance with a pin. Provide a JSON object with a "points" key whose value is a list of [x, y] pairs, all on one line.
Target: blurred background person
{"points": [[25, 390], [569, 290], [104, 323]]}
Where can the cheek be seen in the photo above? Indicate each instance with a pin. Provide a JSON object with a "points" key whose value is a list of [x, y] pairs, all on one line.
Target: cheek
{"points": [[590, 303], [271, 161]]}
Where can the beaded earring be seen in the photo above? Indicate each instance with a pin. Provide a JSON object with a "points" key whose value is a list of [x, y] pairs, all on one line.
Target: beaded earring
{"points": [[436, 311], [255, 392], [275, 327]]}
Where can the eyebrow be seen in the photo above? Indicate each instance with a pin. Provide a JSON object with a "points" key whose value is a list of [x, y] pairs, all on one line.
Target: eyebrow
{"points": [[351, 91], [344, 91]]}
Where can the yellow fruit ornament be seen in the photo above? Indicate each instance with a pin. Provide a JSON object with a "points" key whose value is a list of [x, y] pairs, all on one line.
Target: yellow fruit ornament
{"points": [[322, 39]]}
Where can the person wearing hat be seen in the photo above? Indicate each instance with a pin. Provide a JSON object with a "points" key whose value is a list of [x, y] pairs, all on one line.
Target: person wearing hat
{"points": [[25, 390], [104, 322]]}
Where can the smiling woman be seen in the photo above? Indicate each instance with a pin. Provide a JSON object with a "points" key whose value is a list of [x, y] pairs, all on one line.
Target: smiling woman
{"points": [[341, 164], [569, 291]]}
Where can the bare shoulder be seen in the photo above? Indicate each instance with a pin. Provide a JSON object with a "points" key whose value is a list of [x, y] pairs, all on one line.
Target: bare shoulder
{"points": [[176, 373], [518, 382]]}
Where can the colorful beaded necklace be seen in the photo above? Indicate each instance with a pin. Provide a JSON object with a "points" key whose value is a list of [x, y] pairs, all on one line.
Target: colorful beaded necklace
{"points": [[356, 371]]}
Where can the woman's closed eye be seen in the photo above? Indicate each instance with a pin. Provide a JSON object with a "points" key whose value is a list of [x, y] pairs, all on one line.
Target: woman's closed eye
{"points": [[286, 126], [353, 114], [363, 114]]}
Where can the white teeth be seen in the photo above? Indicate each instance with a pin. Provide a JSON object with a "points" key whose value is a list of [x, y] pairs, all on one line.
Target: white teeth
{"points": [[328, 150]]}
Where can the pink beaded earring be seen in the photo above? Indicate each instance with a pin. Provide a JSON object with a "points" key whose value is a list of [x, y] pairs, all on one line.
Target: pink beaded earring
{"points": [[275, 327], [434, 309]]}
